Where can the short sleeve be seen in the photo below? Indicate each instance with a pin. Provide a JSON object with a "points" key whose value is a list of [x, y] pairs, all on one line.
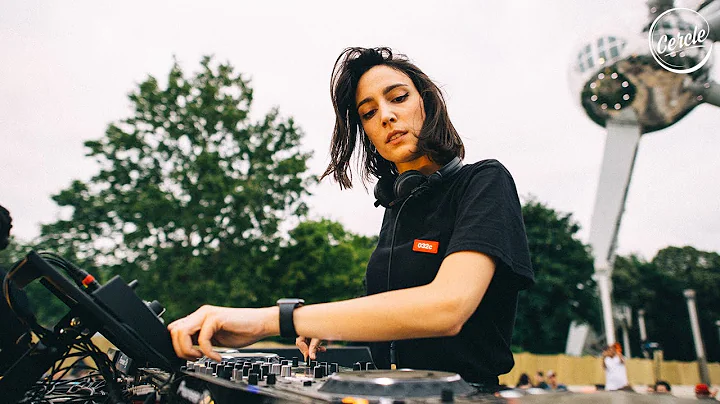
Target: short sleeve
{"points": [[489, 220]]}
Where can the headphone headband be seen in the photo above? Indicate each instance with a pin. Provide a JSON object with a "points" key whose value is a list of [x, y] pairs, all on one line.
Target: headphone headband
{"points": [[390, 190]]}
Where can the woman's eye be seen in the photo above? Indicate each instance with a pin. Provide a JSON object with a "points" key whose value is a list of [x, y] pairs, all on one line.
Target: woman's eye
{"points": [[369, 114], [401, 98]]}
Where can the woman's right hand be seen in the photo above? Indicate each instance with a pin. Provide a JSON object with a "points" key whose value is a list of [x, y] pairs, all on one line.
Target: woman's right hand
{"points": [[309, 347]]}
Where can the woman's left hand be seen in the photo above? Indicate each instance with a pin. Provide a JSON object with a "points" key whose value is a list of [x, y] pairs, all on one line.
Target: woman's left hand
{"points": [[223, 326]]}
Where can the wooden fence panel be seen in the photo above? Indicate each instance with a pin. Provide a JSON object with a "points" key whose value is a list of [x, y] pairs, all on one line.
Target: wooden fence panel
{"points": [[587, 370]]}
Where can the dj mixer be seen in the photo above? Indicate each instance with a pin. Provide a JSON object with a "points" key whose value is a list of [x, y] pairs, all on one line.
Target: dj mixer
{"points": [[267, 377]]}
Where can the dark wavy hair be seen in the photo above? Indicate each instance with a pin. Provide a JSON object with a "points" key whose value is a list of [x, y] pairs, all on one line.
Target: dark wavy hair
{"points": [[438, 138], [5, 226]]}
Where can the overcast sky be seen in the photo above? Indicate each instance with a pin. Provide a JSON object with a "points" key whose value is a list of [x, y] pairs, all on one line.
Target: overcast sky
{"points": [[66, 69]]}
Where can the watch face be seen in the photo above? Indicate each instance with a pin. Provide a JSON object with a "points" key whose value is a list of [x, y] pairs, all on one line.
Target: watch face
{"points": [[290, 301]]}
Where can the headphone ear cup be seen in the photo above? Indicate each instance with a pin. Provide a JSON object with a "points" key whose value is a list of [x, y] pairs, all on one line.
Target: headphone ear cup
{"points": [[384, 190], [407, 182]]}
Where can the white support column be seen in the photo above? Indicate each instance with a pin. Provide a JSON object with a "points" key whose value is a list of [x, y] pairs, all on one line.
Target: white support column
{"points": [[697, 338], [626, 326], [641, 324], [643, 332], [602, 278], [621, 147]]}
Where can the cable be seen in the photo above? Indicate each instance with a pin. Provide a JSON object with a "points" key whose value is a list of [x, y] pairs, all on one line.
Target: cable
{"points": [[415, 192], [98, 386], [82, 278]]}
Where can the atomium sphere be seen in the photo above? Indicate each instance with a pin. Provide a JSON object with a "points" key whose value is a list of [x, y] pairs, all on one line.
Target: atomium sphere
{"points": [[614, 72]]}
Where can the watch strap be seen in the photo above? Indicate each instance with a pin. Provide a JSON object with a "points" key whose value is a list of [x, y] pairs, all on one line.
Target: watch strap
{"points": [[287, 325]]}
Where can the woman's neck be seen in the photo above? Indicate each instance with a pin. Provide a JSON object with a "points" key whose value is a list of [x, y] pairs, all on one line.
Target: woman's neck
{"points": [[422, 164]]}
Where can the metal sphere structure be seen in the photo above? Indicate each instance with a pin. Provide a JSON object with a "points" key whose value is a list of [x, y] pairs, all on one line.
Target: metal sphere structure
{"points": [[634, 83], [616, 72]]}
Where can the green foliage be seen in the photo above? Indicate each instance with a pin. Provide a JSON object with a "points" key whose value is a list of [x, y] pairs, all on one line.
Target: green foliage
{"points": [[564, 290], [657, 287], [322, 262], [190, 193]]}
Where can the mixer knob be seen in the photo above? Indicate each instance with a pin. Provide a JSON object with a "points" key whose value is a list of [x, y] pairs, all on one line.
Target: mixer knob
{"points": [[334, 367], [286, 362], [370, 366], [358, 366], [246, 370], [295, 361], [256, 368], [286, 371], [253, 379], [225, 372], [264, 371], [447, 396], [271, 379], [275, 369], [318, 372], [237, 374]]}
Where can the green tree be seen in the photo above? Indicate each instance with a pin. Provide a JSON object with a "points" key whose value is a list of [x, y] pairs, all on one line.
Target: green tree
{"points": [[564, 290], [323, 262], [190, 193], [657, 287]]}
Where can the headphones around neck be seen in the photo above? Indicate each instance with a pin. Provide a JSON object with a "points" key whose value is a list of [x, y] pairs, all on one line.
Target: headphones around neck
{"points": [[391, 190]]}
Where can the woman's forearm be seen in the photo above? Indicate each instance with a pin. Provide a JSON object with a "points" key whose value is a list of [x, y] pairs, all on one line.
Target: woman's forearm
{"points": [[437, 309], [399, 314]]}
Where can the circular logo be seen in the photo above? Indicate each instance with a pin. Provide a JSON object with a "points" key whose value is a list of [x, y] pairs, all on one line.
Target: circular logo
{"points": [[678, 40]]}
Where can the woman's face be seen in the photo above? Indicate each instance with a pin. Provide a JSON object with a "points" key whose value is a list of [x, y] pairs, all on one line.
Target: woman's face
{"points": [[391, 112]]}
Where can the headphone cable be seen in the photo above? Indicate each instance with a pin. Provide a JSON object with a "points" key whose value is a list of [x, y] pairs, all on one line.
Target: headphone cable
{"points": [[393, 353]]}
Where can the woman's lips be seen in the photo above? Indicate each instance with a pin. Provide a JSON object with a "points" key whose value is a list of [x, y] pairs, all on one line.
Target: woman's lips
{"points": [[395, 139]]}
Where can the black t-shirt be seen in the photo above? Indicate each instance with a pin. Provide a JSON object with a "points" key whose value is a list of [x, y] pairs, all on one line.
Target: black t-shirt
{"points": [[477, 209]]}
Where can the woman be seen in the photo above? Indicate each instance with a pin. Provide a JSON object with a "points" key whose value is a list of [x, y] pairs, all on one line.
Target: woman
{"points": [[452, 252], [615, 372]]}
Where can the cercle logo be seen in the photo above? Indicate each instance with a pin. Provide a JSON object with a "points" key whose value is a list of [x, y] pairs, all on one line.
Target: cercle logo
{"points": [[678, 40]]}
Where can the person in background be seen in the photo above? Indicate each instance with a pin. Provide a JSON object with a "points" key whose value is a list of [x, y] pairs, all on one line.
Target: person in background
{"points": [[614, 366], [553, 383], [702, 392], [523, 382], [540, 381], [660, 387]]}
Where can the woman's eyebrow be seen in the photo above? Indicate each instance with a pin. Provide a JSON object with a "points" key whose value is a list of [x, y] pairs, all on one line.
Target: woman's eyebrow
{"points": [[385, 91]]}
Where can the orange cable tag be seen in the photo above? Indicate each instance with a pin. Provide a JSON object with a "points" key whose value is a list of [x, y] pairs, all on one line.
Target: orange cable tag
{"points": [[426, 246]]}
